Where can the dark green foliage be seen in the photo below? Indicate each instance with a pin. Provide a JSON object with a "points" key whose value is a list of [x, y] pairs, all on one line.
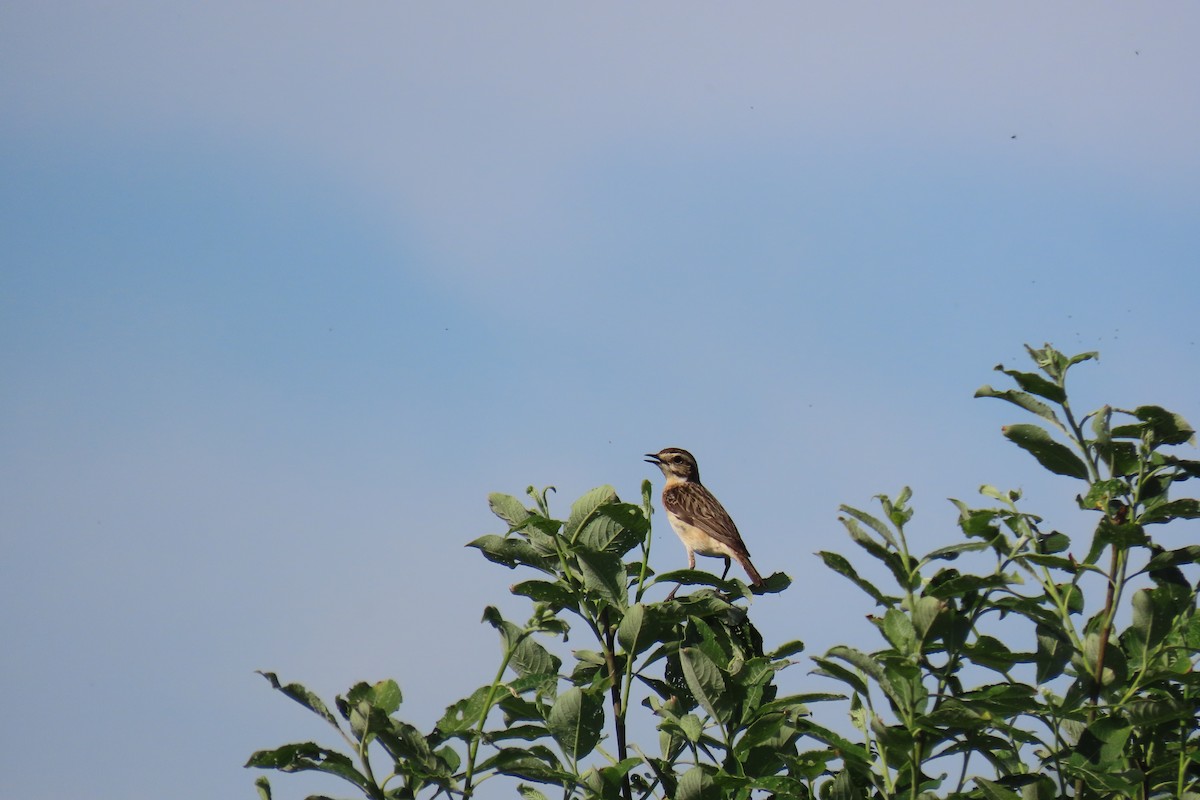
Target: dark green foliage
{"points": [[1012, 663]]}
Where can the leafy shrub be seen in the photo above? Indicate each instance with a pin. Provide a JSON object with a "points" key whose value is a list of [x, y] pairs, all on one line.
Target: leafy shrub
{"points": [[1005, 682]]}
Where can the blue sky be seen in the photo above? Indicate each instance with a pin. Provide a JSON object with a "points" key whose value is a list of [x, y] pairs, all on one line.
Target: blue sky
{"points": [[287, 289]]}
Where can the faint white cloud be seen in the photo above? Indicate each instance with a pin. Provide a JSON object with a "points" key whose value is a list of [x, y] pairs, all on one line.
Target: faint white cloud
{"points": [[470, 126]]}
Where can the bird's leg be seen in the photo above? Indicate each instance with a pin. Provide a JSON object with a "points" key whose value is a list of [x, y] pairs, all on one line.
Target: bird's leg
{"points": [[726, 570], [691, 565]]}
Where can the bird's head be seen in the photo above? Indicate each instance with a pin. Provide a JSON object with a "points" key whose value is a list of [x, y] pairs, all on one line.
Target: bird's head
{"points": [[676, 464]]}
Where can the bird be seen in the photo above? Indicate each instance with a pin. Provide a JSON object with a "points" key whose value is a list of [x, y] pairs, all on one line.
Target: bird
{"points": [[699, 519]]}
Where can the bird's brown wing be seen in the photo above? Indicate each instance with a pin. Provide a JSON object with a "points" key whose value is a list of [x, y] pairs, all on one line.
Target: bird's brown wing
{"points": [[695, 505]]}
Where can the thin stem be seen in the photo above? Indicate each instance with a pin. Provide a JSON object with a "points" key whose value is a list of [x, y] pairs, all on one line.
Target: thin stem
{"points": [[1181, 773], [1115, 580], [643, 571], [915, 788], [618, 707], [366, 761], [962, 776], [1089, 455], [653, 783], [473, 747]]}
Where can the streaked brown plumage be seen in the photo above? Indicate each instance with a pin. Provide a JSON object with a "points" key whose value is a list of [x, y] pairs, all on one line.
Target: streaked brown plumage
{"points": [[699, 519]]}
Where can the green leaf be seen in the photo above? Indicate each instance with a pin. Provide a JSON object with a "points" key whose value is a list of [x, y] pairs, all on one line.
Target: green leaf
{"points": [[1035, 384], [507, 508], [836, 671], [464, 714], [696, 784], [1114, 667], [553, 594], [873, 523], [531, 658], [695, 577], [641, 628], [1103, 742], [842, 566], [1122, 457], [530, 793], [782, 786], [795, 705], [664, 772], [1054, 363], [774, 583], [511, 552], [953, 551], [1053, 542], [925, 613], [1010, 495], [854, 754], [989, 652], [543, 536], [1103, 781], [1051, 454], [994, 791], [703, 679], [583, 509], [1172, 597], [890, 558], [810, 764], [1120, 536], [528, 733], [309, 757], [1003, 698], [765, 730], [1145, 713], [1021, 400], [954, 585], [536, 763], [1190, 554], [614, 528], [527, 656], [386, 696], [604, 576], [404, 743], [367, 708], [899, 631], [860, 660], [263, 786], [716, 642], [606, 782], [1053, 562], [1151, 620], [302, 696], [1164, 426], [517, 708], [790, 649], [897, 511], [1088, 356], [575, 722], [1185, 508], [1187, 468], [976, 521], [842, 787], [692, 727], [1101, 493]]}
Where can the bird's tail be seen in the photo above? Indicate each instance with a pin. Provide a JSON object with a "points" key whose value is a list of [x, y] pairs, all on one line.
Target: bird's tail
{"points": [[755, 578]]}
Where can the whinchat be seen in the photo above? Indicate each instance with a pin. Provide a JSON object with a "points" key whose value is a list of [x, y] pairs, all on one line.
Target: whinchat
{"points": [[702, 523]]}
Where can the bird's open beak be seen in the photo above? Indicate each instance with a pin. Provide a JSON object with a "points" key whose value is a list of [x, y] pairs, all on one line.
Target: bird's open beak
{"points": [[652, 458]]}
